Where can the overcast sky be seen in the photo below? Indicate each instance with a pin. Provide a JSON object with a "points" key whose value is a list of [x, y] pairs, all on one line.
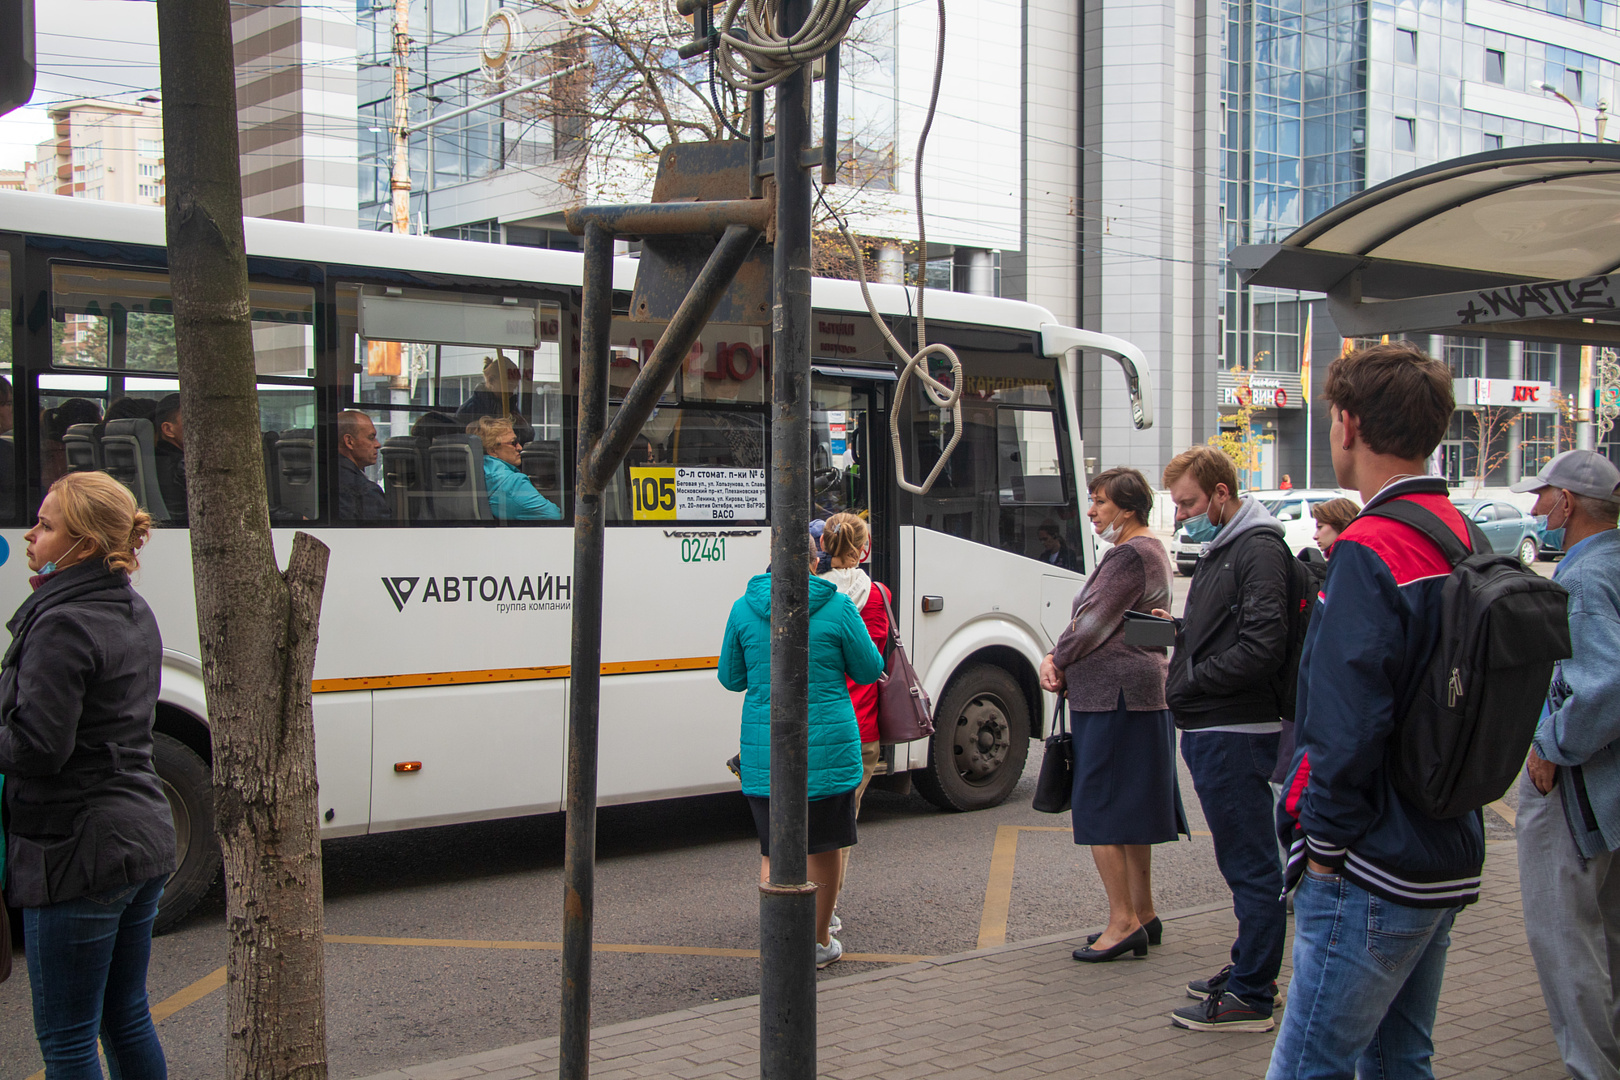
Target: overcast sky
{"points": [[84, 48]]}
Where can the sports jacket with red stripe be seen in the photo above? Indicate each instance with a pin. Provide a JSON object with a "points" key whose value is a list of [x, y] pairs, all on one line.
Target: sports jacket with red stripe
{"points": [[1368, 644]]}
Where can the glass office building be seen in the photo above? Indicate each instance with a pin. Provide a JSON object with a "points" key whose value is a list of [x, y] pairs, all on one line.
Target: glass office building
{"points": [[1324, 98]]}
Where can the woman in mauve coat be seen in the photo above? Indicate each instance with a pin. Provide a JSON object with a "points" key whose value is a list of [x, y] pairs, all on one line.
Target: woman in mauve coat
{"points": [[1125, 795], [90, 840]]}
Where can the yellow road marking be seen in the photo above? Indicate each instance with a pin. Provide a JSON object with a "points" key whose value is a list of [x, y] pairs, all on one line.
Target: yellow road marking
{"points": [[190, 995], [600, 946], [998, 890], [495, 675], [1506, 812], [177, 1001]]}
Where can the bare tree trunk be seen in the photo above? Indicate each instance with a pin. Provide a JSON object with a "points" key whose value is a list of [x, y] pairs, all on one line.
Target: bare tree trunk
{"points": [[256, 625]]}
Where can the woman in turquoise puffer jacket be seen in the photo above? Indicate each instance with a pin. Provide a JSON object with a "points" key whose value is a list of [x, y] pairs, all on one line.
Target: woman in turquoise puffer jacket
{"points": [[839, 645]]}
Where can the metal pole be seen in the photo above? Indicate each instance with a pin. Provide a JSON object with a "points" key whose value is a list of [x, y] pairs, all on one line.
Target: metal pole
{"points": [[787, 904], [579, 860], [492, 99], [400, 183]]}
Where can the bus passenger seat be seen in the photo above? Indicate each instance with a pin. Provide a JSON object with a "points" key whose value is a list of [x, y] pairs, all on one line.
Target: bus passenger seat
{"points": [[456, 479], [82, 448], [295, 472], [403, 478], [542, 464], [126, 453]]}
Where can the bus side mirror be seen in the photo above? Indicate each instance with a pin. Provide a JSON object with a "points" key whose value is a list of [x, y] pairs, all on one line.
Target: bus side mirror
{"points": [[17, 68]]}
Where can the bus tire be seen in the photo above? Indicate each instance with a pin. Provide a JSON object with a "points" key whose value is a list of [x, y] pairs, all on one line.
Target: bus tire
{"points": [[188, 785], [980, 741]]}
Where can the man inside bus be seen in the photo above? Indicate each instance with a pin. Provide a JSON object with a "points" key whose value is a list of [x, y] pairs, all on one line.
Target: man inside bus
{"points": [[359, 499], [1053, 549], [169, 453]]}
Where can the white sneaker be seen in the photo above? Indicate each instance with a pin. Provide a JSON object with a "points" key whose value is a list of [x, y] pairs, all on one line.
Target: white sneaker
{"points": [[829, 953], [835, 925]]}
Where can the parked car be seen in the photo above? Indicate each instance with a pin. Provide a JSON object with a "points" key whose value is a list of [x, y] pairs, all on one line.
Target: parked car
{"points": [[1291, 507], [1509, 529]]}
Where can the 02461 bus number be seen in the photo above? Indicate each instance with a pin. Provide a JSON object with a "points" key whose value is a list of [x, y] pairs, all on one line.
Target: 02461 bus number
{"points": [[703, 549]]}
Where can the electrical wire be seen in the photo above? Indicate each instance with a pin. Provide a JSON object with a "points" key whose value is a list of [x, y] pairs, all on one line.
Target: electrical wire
{"points": [[759, 57], [943, 396]]}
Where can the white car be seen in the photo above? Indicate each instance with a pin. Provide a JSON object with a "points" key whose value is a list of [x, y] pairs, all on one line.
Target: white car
{"points": [[1291, 507]]}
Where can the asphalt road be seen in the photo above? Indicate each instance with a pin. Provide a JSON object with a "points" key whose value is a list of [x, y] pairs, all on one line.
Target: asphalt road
{"points": [[678, 873]]}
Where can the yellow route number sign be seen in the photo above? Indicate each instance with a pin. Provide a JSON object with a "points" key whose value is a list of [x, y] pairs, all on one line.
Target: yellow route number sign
{"points": [[653, 489]]}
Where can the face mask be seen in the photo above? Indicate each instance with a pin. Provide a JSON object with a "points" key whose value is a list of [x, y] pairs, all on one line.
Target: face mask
{"points": [[1200, 529], [50, 567], [1561, 524], [1110, 535]]}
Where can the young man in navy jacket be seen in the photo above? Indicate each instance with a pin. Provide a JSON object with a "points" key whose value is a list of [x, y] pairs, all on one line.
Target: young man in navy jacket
{"points": [[1379, 881]]}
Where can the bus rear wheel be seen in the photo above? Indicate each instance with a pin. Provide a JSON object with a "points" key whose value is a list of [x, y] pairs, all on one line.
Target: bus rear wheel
{"points": [[980, 741], [188, 785]]}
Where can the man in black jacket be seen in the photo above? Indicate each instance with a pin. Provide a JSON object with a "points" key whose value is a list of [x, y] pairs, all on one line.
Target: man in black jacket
{"points": [[359, 498], [1222, 689]]}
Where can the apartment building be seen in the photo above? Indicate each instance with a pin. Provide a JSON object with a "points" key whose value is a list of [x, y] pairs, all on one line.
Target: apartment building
{"points": [[102, 150]]}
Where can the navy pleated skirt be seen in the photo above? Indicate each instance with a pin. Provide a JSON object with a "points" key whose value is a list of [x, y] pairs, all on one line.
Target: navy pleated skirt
{"points": [[1125, 785]]}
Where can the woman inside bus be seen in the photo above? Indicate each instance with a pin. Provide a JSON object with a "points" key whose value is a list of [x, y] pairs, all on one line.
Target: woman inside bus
{"points": [[840, 647], [512, 497], [90, 837], [1125, 796], [498, 398], [847, 543]]}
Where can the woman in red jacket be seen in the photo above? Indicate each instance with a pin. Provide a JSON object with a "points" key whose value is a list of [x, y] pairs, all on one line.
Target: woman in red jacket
{"points": [[848, 543]]}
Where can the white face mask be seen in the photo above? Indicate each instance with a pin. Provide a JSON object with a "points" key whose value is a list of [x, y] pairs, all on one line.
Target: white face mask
{"points": [[1111, 534]]}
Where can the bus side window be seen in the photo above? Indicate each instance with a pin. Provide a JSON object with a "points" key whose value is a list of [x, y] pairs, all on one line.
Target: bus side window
{"points": [[1005, 482], [111, 401], [494, 359]]}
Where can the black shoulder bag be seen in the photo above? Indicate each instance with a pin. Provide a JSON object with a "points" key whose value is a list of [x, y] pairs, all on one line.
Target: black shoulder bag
{"points": [[1054, 788]]}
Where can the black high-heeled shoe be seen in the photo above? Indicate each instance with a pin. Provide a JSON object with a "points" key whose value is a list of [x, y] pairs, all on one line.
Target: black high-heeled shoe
{"points": [[1136, 943], [1154, 928]]}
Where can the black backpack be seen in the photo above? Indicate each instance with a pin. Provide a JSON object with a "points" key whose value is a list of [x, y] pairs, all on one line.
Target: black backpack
{"points": [[1462, 739], [1305, 577]]}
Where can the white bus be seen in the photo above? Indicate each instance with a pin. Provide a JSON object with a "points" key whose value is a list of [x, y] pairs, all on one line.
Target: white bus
{"points": [[442, 675]]}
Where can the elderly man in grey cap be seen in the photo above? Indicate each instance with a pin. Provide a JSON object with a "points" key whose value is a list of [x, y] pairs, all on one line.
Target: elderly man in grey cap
{"points": [[1569, 796]]}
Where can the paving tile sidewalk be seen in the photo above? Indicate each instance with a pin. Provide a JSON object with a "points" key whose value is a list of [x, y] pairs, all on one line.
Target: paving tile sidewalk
{"points": [[1026, 1010]]}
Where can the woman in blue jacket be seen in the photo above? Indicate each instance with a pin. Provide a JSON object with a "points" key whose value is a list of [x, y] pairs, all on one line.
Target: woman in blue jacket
{"points": [[511, 496], [839, 645]]}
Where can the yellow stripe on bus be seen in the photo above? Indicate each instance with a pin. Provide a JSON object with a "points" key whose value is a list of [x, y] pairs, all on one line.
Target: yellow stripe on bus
{"points": [[494, 675]]}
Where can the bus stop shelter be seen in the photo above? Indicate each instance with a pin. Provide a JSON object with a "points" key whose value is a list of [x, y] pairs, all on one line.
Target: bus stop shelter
{"points": [[1521, 243]]}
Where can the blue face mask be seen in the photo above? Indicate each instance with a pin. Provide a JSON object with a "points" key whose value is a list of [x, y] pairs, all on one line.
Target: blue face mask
{"points": [[1200, 529]]}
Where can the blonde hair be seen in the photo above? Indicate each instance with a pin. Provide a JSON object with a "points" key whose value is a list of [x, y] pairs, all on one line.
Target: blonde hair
{"points": [[845, 536], [101, 510], [490, 429]]}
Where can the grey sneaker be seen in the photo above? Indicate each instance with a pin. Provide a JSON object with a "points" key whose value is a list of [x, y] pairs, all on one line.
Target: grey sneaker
{"points": [[1201, 989], [835, 925], [829, 953], [1224, 1012]]}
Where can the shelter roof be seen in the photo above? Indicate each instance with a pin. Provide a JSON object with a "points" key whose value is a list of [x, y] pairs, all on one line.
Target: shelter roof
{"points": [[1522, 242]]}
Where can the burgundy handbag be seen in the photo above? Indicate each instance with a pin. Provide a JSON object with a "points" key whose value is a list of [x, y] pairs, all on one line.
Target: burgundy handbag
{"points": [[904, 711]]}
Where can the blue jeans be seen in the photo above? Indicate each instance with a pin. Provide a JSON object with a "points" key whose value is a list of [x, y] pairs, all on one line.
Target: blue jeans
{"points": [[1232, 774], [87, 969], [1367, 976]]}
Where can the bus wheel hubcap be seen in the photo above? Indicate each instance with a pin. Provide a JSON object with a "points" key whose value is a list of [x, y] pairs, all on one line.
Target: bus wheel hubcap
{"points": [[982, 739]]}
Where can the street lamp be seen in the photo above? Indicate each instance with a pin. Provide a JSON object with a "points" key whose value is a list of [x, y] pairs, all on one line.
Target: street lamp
{"points": [[1560, 96]]}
